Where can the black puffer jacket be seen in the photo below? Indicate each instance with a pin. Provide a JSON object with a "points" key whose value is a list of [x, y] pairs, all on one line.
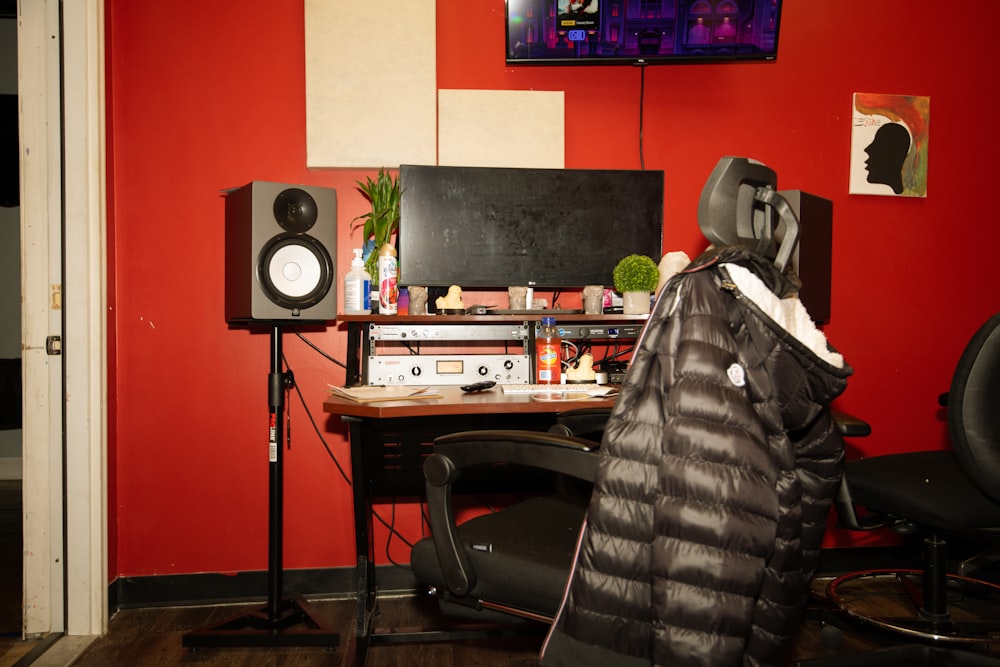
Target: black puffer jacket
{"points": [[717, 470]]}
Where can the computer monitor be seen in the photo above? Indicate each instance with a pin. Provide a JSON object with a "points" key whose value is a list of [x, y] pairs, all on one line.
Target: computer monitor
{"points": [[493, 227]]}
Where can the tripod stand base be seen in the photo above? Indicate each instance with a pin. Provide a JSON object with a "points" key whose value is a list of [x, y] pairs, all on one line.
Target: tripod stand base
{"points": [[296, 626]]}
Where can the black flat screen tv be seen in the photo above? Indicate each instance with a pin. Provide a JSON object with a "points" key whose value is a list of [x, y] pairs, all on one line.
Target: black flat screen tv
{"points": [[493, 227], [641, 31]]}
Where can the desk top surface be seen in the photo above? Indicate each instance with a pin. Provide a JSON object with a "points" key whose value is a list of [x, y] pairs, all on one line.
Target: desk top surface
{"points": [[454, 401]]}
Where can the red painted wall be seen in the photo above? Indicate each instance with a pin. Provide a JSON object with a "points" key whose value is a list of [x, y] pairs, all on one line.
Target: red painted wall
{"points": [[206, 96]]}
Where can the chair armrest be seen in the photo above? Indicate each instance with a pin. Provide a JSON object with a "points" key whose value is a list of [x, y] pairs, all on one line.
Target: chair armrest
{"points": [[847, 515], [851, 426], [457, 451], [551, 451], [583, 422]]}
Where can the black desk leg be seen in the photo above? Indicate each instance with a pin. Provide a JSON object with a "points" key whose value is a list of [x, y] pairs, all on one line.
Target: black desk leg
{"points": [[366, 609], [282, 622]]}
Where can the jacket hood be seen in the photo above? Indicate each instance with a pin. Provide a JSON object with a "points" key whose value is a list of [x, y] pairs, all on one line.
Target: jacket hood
{"points": [[788, 313]]}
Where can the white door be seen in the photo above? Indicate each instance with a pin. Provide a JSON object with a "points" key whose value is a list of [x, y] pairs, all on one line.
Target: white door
{"points": [[61, 93]]}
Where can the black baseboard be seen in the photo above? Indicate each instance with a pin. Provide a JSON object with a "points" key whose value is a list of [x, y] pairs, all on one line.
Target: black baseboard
{"points": [[248, 587], [339, 582]]}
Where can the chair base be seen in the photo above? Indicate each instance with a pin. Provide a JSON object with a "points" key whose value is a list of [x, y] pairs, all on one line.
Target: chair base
{"points": [[488, 612], [912, 656], [979, 561], [973, 605]]}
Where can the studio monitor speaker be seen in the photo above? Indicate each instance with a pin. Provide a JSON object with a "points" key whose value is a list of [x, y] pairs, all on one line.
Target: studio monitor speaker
{"points": [[813, 258], [280, 244]]}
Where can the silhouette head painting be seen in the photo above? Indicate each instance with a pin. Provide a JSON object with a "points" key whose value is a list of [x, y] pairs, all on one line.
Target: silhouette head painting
{"points": [[889, 144], [886, 154]]}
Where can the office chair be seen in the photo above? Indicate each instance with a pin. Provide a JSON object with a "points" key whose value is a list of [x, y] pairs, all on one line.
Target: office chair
{"points": [[501, 571], [952, 493], [511, 564], [482, 567]]}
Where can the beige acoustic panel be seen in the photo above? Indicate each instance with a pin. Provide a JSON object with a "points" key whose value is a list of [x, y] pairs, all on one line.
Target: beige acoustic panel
{"points": [[501, 128], [371, 83]]}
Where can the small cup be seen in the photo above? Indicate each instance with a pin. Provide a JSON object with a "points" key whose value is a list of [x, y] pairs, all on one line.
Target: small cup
{"points": [[517, 298], [418, 300], [593, 299]]}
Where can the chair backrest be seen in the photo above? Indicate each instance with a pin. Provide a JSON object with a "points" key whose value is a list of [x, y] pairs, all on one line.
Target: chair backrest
{"points": [[974, 408], [738, 205]]}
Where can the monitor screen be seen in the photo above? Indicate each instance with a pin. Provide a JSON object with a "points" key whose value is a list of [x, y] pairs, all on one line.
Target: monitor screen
{"points": [[640, 31], [493, 227]]}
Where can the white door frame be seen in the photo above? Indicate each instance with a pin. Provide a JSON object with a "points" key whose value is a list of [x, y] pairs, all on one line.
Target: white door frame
{"points": [[63, 167]]}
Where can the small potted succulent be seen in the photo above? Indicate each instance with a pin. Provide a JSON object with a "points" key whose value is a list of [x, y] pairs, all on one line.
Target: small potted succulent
{"points": [[636, 277], [381, 222]]}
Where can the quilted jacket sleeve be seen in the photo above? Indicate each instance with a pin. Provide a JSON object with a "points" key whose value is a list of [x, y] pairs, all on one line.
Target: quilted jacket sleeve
{"points": [[717, 510]]}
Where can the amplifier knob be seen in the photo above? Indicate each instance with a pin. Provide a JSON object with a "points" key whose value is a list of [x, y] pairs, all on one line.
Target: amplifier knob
{"points": [[483, 370], [416, 371], [508, 364]]}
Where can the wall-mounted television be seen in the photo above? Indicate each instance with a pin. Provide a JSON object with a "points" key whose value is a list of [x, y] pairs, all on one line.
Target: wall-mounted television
{"points": [[493, 227], [599, 32]]}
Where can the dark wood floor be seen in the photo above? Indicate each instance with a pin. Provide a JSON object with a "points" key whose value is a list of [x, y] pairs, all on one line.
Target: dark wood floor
{"points": [[11, 561], [154, 638], [12, 648]]}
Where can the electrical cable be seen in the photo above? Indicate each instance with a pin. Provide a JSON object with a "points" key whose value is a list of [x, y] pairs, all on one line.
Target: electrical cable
{"points": [[393, 531], [315, 426], [316, 429], [425, 523], [316, 348], [573, 356]]}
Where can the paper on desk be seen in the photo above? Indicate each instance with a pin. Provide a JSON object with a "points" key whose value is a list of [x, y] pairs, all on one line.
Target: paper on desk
{"points": [[369, 394]]}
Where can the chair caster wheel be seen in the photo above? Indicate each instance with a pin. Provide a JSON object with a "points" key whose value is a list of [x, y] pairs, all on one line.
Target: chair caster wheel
{"points": [[831, 637]]}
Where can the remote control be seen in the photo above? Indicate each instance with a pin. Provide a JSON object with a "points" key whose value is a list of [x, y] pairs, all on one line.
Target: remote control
{"points": [[479, 386]]}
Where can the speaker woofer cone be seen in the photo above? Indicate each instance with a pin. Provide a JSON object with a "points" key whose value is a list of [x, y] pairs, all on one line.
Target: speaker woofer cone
{"points": [[295, 271]]}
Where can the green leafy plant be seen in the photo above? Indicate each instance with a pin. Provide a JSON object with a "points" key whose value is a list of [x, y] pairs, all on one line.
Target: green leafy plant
{"points": [[381, 222], [636, 273]]}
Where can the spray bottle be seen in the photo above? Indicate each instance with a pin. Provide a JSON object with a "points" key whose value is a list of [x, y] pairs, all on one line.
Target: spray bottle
{"points": [[357, 288], [388, 290]]}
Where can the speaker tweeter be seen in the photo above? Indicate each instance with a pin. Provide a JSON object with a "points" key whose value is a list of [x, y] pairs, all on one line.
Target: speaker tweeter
{"points": [[280, 243]]}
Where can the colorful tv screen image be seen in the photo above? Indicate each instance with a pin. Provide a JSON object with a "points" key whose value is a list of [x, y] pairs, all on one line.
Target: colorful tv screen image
{"points": [[641, 31]]}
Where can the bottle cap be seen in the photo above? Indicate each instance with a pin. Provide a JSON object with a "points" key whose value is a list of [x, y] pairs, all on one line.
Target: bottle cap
{"points": [[357, 261]]}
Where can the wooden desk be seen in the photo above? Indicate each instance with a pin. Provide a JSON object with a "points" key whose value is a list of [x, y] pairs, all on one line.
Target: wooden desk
{"points": [[454, 401], [389, 441]]}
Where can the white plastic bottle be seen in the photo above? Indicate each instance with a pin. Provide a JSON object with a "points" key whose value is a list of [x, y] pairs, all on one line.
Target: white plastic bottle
{"points": [[357, 288]]}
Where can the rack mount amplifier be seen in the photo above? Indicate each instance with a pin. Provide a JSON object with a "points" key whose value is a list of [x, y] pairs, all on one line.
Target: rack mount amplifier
{"points": [[453, 369]]}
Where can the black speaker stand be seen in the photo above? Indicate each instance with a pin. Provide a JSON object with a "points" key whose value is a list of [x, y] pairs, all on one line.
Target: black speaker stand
{"points": [[282, 621]]}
